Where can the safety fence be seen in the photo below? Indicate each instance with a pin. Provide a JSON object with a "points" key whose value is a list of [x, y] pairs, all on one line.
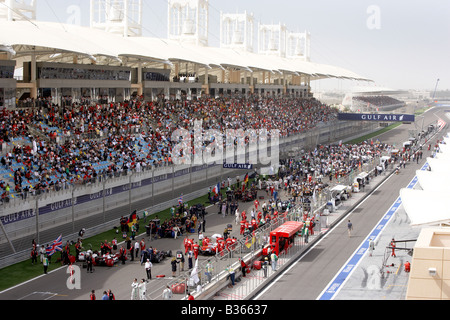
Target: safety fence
{"points": [[104, 201], [256, 278], [211, 274]]}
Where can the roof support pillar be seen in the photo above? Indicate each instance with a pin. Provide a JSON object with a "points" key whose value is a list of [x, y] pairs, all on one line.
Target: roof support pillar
{"points": [[206, 82], [205, 86], [33, 80], [139, 79], [223, 76]]}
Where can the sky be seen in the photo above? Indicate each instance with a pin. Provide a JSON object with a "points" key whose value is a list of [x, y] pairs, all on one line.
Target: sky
{"points": [[399, 44]]}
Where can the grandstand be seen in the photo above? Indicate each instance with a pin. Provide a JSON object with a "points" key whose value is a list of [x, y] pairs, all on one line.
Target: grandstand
{"points": [[92, 103], [45, 143], [373, 100], [54, 59], [109, 87]]}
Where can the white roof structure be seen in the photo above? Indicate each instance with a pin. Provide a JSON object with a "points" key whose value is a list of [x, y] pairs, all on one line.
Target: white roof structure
{"points": [[49, 40], [429, 206], [444, 147], [434, 180], [373, 91], [447, 137], [442, 156], [426, 208], [439, 165]]}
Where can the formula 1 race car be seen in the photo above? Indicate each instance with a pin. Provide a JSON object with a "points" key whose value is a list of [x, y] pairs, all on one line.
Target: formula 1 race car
{"points": [[286, 204], [159, 255], [155, 256], [249, 196], [209, 249], [108, 260]]}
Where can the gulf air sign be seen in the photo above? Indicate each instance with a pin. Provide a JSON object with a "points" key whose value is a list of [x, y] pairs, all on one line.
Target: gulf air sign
{"points": [[376, 117]]}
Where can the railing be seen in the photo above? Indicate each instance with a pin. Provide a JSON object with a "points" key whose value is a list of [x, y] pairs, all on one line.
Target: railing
{"points": [[68, 206], [245, 249], [247, 252], [256, 278], [306, 140], [249, 248]]}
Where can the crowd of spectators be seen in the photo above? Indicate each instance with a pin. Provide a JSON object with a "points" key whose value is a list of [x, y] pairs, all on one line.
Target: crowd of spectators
{"points": [[379, 101], [77, 143], [307, 176]]}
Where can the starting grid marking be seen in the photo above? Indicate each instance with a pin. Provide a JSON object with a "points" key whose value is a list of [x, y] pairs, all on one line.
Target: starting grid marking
{"points": [[231, 296], [342, 276], [40, 295]]}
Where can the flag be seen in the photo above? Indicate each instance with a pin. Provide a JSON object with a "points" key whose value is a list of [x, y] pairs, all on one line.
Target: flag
{"points": [[216, 189], [248, 243], [180, 200], [55, 246], [194, 274], [244, 183], [132, 219]]}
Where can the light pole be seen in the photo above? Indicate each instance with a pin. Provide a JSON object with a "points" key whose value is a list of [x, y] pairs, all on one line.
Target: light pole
{"points": [[435, 88]]}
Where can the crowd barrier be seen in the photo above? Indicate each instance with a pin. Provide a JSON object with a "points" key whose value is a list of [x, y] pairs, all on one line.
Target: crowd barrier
{"points": [[249, 249], [100, 204]]}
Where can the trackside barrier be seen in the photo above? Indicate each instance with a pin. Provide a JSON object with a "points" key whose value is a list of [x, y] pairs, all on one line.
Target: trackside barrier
{"points": [[99, 203], [255, 280], [255, 283], [248, 249]]}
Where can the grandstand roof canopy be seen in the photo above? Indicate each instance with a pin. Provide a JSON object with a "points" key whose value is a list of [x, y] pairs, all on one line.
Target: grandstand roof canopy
{"points": [[429, 206], [52, 42], [375, 91], [426, 208]]}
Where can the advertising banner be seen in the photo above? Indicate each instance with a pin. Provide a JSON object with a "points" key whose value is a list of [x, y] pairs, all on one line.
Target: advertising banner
{"points": [[244, 166], [376, 117]]}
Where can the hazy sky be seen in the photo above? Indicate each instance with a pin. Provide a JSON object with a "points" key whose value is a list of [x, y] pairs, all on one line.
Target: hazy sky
{"points": [[399, 44]]}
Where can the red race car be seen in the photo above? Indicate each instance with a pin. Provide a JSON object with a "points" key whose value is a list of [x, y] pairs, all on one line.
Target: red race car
{"points": [[108, 260]]}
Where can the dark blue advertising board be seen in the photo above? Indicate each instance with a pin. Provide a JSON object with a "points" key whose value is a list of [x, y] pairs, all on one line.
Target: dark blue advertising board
{"points": [[244, 166], [376, 117], [67, 203]]}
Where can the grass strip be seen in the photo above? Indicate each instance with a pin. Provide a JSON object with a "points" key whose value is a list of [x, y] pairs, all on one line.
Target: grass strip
{"points": [[373, 134], [23, 271]]}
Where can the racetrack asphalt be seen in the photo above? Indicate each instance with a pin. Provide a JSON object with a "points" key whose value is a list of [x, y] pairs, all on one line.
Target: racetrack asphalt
{"points": [[311, 275], [329, 269]]}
